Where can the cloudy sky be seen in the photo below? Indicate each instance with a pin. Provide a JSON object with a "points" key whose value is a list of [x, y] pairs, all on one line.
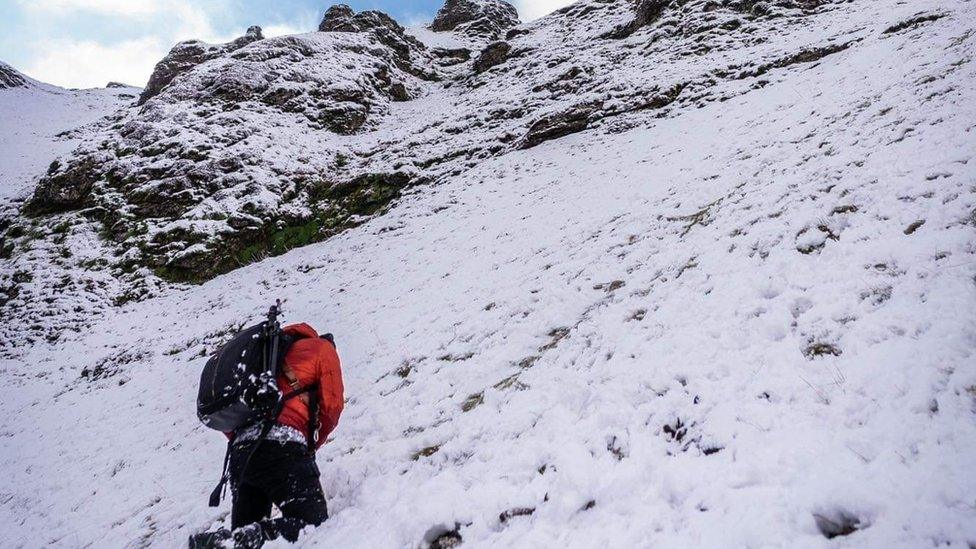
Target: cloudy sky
{"points": [[87, 43]]}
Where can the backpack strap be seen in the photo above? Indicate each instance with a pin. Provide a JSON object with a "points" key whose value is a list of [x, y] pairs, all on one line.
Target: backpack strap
{"points": [[310, 396], [313, 419], [296, 386]]}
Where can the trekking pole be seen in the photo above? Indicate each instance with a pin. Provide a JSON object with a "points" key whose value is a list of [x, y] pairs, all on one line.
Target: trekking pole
{"points": [[274, 328]]}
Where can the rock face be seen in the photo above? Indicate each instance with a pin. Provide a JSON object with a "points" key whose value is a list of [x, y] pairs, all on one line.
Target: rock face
{"points": [[494, 54], [186, 55], [341, 18], [570, 121], [64, 189], [10, 78], [646, 12], [234, 99], [482, 18]]}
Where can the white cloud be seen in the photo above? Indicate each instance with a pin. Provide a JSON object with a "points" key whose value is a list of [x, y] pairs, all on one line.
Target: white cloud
{"points": [[89, 63], [534, 9], [122, 8], [86, 64]]}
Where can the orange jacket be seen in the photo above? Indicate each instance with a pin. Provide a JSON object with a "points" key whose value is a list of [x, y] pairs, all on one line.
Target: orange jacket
{"points": [[312, 360]]}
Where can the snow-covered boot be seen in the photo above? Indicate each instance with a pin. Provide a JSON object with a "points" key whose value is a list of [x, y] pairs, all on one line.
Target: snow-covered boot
{"points": [[249, 537], [210, 540]]}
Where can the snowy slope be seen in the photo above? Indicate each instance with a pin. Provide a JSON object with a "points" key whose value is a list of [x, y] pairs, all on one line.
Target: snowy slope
{"points": [[38, 122], [707, 329]]}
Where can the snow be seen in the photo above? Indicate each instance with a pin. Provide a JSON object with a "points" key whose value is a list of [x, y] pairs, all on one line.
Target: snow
{"points": [[38, 122], [431, 39], [702, 330]]}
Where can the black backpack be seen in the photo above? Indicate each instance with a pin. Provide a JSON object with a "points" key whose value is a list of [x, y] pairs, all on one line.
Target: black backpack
{"points": [[238, 385], [239, 388]]}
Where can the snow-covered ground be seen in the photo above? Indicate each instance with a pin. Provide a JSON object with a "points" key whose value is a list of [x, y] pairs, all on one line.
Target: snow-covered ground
{"points": [[715, 330]]}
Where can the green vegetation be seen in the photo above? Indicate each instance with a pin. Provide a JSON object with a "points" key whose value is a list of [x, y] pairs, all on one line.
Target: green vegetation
{"points": [[342, 206]]}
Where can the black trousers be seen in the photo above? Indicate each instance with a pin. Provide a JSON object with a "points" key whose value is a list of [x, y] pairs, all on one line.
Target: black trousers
{"points": [[283, 474]]}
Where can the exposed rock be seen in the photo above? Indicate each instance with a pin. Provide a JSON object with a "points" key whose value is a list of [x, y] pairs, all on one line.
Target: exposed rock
{"points": [[398, 92], [505, 516], [342, 18], [554, 126], [839, 523], [117, 85], [494, 54], [64, 189], [338, 18], [646, 13], [146, 174], [343, 206], [451, 56], [913, 22], [186, 55], [804, 56], [482, 18], [443, 537], [10, 78]]}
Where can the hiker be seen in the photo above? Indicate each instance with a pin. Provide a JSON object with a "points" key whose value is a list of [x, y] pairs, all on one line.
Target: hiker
{"points": [[279, 468]]}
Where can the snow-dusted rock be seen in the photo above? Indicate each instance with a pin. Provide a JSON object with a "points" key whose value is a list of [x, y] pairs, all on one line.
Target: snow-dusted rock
{"points": [[493, 54], [341, 18], [10, 78], [186, 55], [200, 161], [480, 18]]}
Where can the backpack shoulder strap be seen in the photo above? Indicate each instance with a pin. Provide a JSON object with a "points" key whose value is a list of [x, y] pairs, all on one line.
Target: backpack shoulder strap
{"points": [[293, 381], [308, 394]]}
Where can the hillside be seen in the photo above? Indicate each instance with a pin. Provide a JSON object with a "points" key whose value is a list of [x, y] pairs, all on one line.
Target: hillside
{"points": [[42, 122], [670, 274]]}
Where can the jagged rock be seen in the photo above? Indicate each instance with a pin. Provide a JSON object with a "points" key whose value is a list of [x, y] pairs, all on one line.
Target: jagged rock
{"points": [[338, 18], [494, 54], [646, 13], [186, 55], [116, 85], [484, 18], [575, 119], [443, 537], [10, 78], [451, 56], [342, 18], [64, 189], [234, 201]]}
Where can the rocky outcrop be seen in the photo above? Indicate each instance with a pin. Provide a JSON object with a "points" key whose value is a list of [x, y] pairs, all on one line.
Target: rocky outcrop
{"points": [[342, 18], [197, 181], [494, 54], [186, 55], [64, 189], [645, 13], [561, 124], [480, 18], [10, 78], [339, 18]]}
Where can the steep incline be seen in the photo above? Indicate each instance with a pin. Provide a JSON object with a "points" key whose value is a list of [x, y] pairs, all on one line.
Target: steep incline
{"points": [[741, 316], [42, 122], [39, 123]]}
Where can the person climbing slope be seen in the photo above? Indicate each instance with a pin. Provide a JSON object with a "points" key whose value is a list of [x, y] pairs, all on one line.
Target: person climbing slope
{"points": [[272, 461]]}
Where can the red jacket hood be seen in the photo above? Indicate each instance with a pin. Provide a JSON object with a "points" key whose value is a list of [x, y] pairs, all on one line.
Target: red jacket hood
{"points": [[301, 330]]}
